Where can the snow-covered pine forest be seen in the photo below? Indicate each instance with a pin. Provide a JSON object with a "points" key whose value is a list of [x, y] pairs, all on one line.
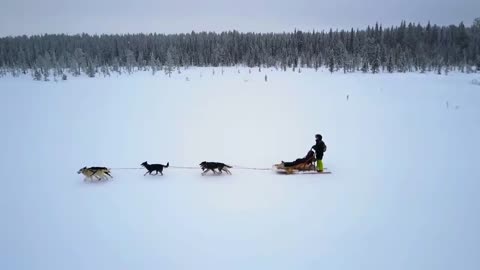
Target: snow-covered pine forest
{"points": [[405, 48]]}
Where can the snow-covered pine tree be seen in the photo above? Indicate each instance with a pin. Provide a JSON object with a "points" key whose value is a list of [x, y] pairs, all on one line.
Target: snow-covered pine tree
{"points": [[365, 59], [422, 63], [116, 66], [22, 61], [152, 63], [74, 67], [105, 71], [3, 71], [169, 62], [130, 61], [90, 69], [331, 61], [402, 62], [339, 54], [317, 62], [61, 64], [364, 68], [54, 66], [390, 64], [37, 75], [43, 62], [141, 63], [79, 61], [375, 62], [477, 65]]}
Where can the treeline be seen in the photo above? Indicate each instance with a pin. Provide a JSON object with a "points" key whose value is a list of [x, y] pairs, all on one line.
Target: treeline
{"points": [[404, 48]]}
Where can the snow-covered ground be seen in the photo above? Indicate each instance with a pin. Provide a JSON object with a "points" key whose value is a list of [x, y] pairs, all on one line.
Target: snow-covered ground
{"points": [[404, 193]]}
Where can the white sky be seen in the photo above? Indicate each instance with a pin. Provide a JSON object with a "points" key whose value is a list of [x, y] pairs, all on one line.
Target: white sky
{"points": [[19, 17]]}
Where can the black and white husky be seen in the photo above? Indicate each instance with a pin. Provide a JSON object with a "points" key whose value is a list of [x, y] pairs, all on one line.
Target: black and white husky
{"points": [[211, 166]]}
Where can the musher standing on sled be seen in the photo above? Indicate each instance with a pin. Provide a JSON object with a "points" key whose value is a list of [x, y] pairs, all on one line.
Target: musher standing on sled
{"points": [[319, 149]]}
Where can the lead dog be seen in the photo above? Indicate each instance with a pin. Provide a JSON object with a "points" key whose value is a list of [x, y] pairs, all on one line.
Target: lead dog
{"points": [[157, 168], [211, 166], [98, 172]]}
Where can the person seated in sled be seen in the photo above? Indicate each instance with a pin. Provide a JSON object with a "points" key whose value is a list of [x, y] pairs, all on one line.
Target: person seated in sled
{"points": [[307, 159]]}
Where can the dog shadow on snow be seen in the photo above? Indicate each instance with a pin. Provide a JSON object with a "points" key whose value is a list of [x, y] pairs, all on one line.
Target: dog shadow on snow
{"points": [[95, 182], [214, 177]]}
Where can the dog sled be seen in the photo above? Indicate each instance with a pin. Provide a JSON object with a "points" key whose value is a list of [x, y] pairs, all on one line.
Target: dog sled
{"points": [[300, 165], [302, 168]]}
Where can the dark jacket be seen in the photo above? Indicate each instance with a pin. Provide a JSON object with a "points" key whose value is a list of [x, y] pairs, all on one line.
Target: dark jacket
{"points": [[307, 159], [319, 148]]}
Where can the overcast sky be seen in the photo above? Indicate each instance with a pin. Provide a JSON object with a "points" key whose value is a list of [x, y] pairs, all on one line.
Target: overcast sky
{"points": [[19, 17]]}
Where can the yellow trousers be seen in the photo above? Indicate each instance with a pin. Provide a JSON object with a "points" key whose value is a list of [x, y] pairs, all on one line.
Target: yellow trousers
{"points": [[320, 165]]}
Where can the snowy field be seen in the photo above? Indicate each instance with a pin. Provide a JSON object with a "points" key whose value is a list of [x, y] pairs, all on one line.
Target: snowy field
{"points": [[403, 149]]}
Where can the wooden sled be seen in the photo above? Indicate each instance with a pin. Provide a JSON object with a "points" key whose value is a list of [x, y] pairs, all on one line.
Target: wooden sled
{"points": [[303, 168]]}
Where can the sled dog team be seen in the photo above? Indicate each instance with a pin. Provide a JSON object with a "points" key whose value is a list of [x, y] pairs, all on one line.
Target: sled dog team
{"points": [[103, 173], [315, 154]]}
